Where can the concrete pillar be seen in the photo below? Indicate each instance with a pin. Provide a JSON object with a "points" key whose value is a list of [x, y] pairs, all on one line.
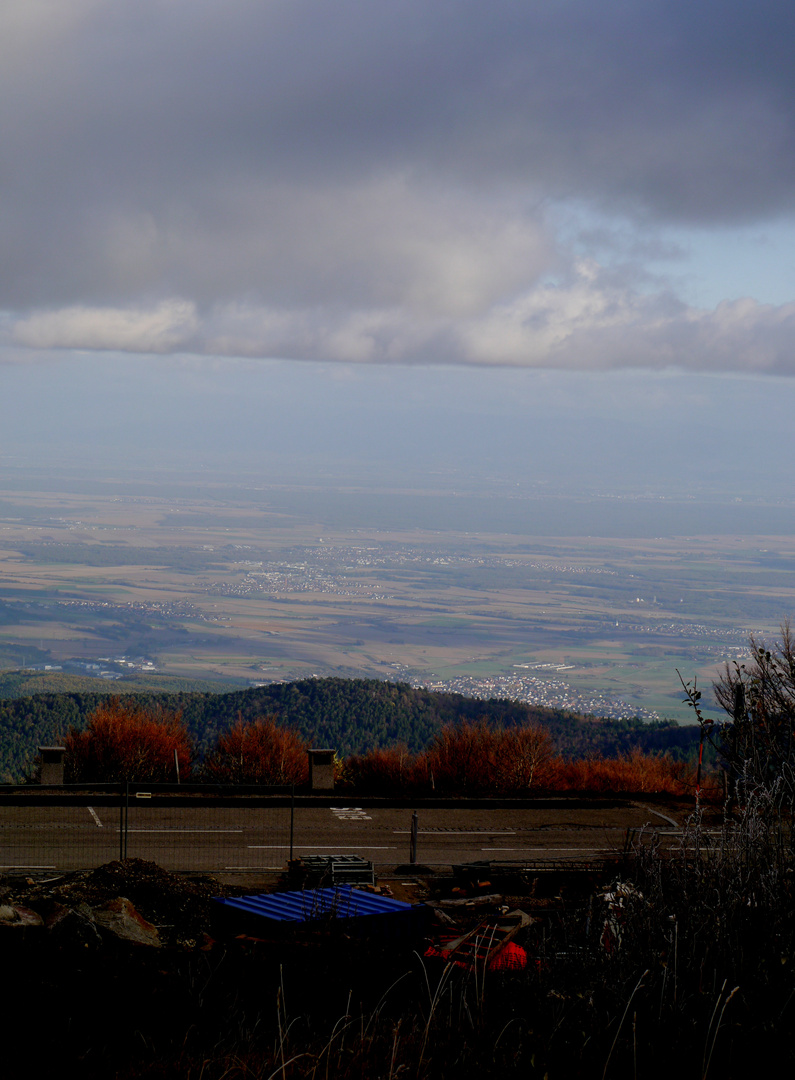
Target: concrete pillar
{"points": [[51, 758], [321, 770]]}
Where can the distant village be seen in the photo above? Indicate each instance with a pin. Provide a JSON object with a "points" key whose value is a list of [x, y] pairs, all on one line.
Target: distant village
{"points": [[546, 691]]}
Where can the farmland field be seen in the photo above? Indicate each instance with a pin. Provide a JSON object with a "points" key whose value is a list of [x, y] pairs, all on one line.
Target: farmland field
{"points": [[195, 577]]}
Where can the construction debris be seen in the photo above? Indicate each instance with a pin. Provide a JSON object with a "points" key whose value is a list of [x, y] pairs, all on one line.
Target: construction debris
{"points": [[480, 946]]}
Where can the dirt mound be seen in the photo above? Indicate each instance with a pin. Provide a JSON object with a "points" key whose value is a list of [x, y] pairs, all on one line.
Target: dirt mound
{"points": [[178, 905]]}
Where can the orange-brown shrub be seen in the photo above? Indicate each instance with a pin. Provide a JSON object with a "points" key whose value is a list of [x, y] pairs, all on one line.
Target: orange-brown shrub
{"points": [[388, 771], [630, 772], [259, 752], [479, 758], [126, 742]]}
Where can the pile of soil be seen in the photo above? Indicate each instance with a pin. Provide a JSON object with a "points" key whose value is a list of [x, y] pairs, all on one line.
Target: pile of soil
{"points": [[178, 905]]}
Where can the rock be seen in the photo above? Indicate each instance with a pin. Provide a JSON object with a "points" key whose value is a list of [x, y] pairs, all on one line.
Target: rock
{"points": [[54, 914], [119, 919], [21, 917], [73, 926]]}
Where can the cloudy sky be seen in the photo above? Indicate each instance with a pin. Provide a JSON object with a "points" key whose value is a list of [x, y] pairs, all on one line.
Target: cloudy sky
{"points": [[582, 210]]}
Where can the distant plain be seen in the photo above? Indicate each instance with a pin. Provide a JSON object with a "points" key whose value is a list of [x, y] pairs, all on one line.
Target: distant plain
{"points": [[238, 581]]}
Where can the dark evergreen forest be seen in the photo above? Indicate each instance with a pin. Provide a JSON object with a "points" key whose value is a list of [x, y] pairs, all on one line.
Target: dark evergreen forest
{"points": [[349, 715]]}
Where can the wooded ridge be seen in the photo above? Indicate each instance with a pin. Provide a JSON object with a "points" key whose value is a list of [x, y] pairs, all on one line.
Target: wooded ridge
{"points": [[351, 716]]}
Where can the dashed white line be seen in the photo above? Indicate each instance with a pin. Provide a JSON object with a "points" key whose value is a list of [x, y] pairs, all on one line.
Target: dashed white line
{"points": [[95, 816], [214, 832], [540, 849], [254, 867], [320, 847], [456, 832]]}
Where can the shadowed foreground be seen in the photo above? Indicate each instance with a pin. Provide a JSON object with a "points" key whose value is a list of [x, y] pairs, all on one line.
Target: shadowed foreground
{"points": [[687, 968]]}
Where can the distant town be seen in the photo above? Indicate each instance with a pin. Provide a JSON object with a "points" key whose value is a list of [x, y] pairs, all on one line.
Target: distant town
{"points": [[548, 692]]}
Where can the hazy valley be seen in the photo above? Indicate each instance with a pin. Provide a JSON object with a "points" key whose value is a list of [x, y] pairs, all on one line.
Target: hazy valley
{"points": [[184, 576]]}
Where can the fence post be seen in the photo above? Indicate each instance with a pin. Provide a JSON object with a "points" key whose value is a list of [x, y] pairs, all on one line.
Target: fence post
{"points": [[292, 819], [413, 841], [126, 813]]}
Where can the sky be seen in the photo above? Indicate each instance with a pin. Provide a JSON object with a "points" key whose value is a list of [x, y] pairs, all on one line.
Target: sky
{"points": [[448, 234]]}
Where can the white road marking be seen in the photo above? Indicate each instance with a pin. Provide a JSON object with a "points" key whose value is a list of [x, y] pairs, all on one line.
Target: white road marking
{"points": [[215, 832], [456, 832], [95, 816], [254, 867], [659, 813], [541, 849], [26, 866], [320, 847], [349, 813]]}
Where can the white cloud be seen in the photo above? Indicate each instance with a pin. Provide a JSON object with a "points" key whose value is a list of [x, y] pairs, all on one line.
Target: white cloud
{"points": [[168, 327], [587, 323]]}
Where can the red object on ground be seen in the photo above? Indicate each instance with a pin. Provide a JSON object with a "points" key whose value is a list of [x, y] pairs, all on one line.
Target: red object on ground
{"points": [[511, 958]]}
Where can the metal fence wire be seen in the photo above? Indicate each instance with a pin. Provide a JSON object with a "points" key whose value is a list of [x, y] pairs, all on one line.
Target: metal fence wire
{"points": [[222, 830]]}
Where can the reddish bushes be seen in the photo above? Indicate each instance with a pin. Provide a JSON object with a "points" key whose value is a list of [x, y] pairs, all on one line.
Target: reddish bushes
{"points": [[390, 771], [479, 758], [483, 759], [469, 759], [125, 742], [631, 772], [259, 753]]}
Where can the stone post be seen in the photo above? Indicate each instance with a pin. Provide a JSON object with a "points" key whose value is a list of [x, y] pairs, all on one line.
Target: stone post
{"points": [[51, 758], [321, 770]]}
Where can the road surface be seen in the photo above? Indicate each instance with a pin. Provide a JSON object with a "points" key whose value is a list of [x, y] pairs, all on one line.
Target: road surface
{"points": [[242, 839]]}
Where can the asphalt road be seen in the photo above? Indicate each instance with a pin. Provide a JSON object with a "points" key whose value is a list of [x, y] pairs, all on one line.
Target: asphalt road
{"points": [[234, 839]]}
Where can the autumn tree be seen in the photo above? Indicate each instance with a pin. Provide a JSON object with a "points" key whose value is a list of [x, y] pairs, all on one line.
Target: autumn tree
{"points": [[633, 771], [481, 758], [259, 752], [124, 741], [460, 758], [387, 770], [526, 758]]}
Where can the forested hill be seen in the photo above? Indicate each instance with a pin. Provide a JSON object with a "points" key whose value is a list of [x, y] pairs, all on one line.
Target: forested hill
{"points": [[350, 715]]}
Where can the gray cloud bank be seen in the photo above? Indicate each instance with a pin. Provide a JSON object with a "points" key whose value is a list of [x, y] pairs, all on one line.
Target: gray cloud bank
{"points": [[366, 181]]}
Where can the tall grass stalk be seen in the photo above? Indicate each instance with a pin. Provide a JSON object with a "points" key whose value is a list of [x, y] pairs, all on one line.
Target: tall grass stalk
{"points": [[638, 986], [434, 1001], [707, 1059]]}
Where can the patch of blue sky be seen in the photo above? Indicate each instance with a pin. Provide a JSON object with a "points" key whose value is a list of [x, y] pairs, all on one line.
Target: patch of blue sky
{"points": [[755, 261], [702, 266]]}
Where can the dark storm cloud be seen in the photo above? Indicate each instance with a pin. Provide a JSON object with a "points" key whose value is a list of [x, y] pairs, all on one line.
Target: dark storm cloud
{"points": [[371, 179]]}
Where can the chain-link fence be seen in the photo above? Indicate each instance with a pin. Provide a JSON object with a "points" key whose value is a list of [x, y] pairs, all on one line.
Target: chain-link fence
{"points": [[181, 828]]}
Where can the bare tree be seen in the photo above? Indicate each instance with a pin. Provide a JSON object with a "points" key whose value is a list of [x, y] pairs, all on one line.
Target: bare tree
{"points": [[756, 745], [759, 697], [525, 757]]}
